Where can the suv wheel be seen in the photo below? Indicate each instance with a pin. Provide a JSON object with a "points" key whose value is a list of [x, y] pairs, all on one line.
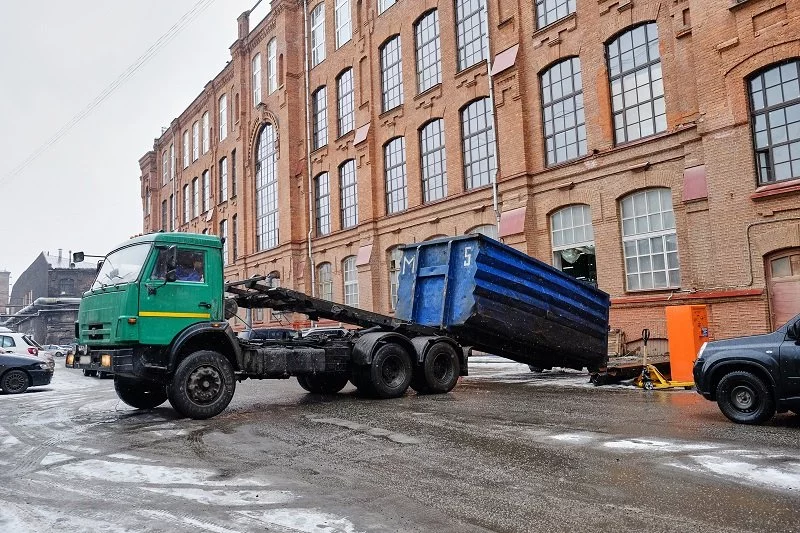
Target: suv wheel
{"points": [[744, 398]]}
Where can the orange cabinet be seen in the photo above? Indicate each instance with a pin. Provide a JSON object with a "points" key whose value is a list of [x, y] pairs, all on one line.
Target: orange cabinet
{"points": [[687, 330]]}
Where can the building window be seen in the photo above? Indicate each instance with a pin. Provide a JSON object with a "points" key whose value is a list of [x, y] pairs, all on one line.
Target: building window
{"points": [[66, 287], [206, 132], [172, 212], [345, 104], [649, 240], [562, 107], [223, 117], [147, 202], [325, 281], [195, 141], [272, 66], [235, 237], [172, 161], [195, 197], [223, 179], [163, 215], [549, 11], [489, 230], [429, 54], [319, 106], [479, 150], [266, 189], [394, 160], [775, 106], [344, 27], [350, 281], [206, 190], [233, 173], [383, 5], [223, 234], [164, 168], [257, 79], [395, 259], [187, 199], [185, 148], [323, 203], [471, 32], [348, 188], [434, 162], [637, 91], [318, 34], [573, 242], [391, 74]]}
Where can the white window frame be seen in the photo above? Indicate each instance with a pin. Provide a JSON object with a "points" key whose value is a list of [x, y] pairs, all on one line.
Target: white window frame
{"points": [[164, 168], [206, 132], [266, 178], [471, 44], [647, 245], [195, 197], [172, 161], [185, 148], [565, 234], [187, 204], [383, 5], [319, 110], [256, 81], [272, 65], [325, 281], [318, 34], [223, 179], [345, 102], [206, 190], [344, 26], [391, 74], [429, 51], [195, 141], [350, 280], [223, 117]]}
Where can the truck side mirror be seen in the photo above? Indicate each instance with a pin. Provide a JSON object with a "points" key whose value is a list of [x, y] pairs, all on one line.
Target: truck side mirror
{"points": [[170, 276], [172, 257], [78, 257]]}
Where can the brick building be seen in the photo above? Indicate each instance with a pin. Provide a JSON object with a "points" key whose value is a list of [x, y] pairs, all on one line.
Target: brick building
{"points": [[650, 147]]}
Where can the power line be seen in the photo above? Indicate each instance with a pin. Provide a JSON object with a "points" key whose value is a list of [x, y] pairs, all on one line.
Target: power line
{"points": [[151, 52]]}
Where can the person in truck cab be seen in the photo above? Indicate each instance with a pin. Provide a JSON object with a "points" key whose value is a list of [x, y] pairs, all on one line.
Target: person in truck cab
{"points": [[190, 269]]}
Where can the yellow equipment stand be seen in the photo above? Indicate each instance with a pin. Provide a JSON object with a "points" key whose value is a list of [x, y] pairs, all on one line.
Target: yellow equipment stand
{"points": [[651, 378]]}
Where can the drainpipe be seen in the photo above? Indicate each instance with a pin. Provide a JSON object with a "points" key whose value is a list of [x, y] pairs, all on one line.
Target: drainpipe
{"points": [[312, 268], [488, 51]]}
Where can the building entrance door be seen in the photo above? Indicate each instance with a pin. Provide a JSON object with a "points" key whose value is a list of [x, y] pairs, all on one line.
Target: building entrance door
{"points": [[783, 283]]}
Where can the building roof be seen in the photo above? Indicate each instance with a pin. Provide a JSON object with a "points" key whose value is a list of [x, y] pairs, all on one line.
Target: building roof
{"points": [[65, 262]]}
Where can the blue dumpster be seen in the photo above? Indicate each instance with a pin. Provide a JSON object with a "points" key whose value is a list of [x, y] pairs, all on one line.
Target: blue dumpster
{"points": [[499, 300]]}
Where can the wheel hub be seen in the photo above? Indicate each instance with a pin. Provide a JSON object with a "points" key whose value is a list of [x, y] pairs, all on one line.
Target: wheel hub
{"points": [[391, 372], [743, 398], [442, 369], [204, 384]]}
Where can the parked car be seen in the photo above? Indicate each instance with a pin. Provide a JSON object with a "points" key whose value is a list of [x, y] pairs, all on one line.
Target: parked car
{"points": [[56, 350], [327, 331], [20, 371], [22, 344], [260, 334], [751, 378]]}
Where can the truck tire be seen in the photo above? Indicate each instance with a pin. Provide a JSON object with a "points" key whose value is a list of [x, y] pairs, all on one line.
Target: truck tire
{"points": [[203, 385], [15, 382], [323, 383], [89, 373], [390, 373], [439, 372], [744, 398], [138, 393]]}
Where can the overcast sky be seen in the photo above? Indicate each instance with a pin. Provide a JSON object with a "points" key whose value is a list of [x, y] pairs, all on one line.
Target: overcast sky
{"points": [[56, 57]]}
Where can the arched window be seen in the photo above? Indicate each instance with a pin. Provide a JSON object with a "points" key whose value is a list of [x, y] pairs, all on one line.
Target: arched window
{"points": [[490, 230], [429, 54], [266, 189], [272, 66], [344, 100], [206, 190], [477, 132], [573, 242], [350, 277], [395, 260], [562, 107], [471, 32], [325, 281], [394, 162], [256, 84], [549, 11], [775, 109], [195, 197], [348, 188], [187, 199], [223, 117], [318, 34], [433, 161], [637, 90], [649, 240], [319, 107], [164, 168], [391, 74], [344, 27], [322, 197]]}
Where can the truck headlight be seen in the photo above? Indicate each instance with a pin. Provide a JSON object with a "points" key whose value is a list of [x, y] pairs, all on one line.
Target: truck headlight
{"points": [[105, 360], [70, 359]]}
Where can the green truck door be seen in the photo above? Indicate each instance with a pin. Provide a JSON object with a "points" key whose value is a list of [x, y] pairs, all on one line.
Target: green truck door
{"points": [[166, 308]]}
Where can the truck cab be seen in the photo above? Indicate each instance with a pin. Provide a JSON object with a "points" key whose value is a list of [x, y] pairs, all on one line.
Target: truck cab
{"points": [[752, 377]]}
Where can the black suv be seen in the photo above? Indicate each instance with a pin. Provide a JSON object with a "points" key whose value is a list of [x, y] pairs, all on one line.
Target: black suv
{"points": [[272, 334], [752, 377]]}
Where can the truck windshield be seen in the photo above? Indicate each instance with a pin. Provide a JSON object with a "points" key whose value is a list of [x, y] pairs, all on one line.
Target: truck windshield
{"points": [[122, 266]]}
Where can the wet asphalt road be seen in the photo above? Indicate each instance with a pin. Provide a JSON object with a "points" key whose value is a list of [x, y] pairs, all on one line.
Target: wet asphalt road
{"points": [[505, 451]]}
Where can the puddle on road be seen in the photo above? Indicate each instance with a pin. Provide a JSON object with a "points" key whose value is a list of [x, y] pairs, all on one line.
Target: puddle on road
{"points": [[399, 438]]}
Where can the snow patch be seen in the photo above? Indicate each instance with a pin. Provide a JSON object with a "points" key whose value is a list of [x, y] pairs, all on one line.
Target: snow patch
{"points": [[55, 457], [227, 497], [304, 520], [128, 457], [201, 525], [10, 521], [656, 445], [576, 438], [786, 478], [107, 405]]}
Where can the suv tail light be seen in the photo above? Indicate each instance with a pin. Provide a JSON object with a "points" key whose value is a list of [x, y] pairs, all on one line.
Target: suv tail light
{"points": [[33, 351]]}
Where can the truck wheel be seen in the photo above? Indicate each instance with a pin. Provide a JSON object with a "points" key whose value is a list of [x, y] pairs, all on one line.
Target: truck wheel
{"points": [[88, 373], [323, 383], [15, 382], [439, 373], [744, 398], [138, 393], [390, 372], [202, 386]]}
